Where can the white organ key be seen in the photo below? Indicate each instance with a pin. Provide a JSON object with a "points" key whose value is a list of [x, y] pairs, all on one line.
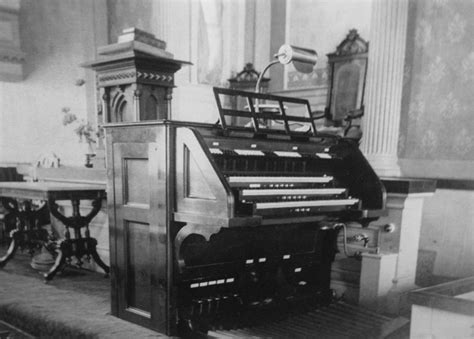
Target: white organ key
{"points": [[324, 155], [294, 191], [306, 203], [287, 154], [248, 152], [291, 180], [215, 151]]}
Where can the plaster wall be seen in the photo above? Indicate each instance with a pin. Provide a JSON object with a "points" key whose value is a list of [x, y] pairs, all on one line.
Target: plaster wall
{"points": [[436, 119], [322, 25], [53, 35], [447, 235]]}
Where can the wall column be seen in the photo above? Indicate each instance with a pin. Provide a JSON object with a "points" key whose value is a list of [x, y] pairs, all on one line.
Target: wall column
{"points": [[384, 85]]}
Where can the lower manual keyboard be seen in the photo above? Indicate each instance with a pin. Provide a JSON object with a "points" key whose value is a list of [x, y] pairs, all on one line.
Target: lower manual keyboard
{"points": [[303, 206], [306, 192]]}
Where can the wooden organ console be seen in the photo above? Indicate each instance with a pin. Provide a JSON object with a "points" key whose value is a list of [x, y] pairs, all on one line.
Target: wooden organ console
{"points": [[216, 226]]}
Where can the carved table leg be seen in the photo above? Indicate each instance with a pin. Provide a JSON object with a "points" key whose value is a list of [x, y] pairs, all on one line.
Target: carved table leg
{"points": [[11, 249], [58, 264], [79, 246], [12, 206], [27, 233], [97, 259]]}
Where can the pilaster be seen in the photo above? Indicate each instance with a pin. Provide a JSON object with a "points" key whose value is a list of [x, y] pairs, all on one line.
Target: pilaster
{"points": [[384, 85], [388, 275]]}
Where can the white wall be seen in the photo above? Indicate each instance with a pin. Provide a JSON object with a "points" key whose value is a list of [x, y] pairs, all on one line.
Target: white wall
{"points": [[323, 24], [55, 35], [447, 230]]}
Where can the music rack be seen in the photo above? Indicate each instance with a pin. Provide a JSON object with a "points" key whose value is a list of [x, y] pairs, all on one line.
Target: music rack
{"points": [[259, 117]]}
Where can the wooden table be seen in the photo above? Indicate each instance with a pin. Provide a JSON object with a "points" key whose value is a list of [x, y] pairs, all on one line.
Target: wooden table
{"points": [[16, 198]]}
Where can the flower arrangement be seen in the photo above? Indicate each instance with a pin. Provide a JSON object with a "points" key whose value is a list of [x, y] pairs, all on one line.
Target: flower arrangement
{"points": [[84, 130]]}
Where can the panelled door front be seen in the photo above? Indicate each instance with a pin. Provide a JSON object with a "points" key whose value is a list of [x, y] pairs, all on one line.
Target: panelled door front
{"points": [[138, 252]]}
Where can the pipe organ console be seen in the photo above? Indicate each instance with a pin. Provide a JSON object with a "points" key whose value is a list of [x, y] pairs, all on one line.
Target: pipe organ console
{"points": [[225, 225]]}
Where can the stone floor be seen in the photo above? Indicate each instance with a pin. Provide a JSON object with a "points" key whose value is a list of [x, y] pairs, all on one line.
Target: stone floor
{"points": [[76, 304], [8, 331]]}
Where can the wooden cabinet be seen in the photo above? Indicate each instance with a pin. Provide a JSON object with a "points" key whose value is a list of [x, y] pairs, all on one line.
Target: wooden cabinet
{"points": [[139, 224]]}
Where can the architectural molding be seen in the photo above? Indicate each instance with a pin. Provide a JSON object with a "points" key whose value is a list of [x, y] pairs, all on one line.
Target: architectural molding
{"points": [[438, 169], [381, 122], [277, 37], [12, 57], [387, 275]]}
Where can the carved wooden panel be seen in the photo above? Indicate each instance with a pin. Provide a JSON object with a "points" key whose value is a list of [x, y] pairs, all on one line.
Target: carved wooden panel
{"points": [[118, 102], [136, 189], [196, 185], [347, 88], [139, 219], [153, 102], [199, 188], [138, 289], [132, 263]]}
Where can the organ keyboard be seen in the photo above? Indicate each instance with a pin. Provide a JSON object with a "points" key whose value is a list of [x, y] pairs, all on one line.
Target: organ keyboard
{"points": [[242, 220]]}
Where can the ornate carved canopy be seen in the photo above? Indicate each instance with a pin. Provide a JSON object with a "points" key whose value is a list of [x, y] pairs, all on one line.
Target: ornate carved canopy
{"points": [[352, 44]]}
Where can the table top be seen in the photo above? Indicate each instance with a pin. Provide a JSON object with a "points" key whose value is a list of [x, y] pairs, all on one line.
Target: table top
{"points": [[50, 190]]}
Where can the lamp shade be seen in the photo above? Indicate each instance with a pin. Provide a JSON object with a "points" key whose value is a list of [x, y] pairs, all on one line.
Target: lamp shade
{"points": [[303, 59]]}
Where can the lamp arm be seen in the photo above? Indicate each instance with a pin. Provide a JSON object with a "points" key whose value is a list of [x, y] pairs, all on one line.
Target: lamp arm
{"points": [[260, 77]]}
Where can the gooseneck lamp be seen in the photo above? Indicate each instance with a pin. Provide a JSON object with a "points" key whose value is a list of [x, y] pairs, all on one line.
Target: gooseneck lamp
{"points": [[303, 59]]}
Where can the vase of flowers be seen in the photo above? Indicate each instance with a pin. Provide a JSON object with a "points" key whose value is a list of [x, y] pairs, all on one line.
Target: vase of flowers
{"points": [[84, 130]]}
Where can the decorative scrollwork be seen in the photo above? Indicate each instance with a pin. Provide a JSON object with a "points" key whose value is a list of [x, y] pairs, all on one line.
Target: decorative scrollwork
{"points": [[247, 74], [117, 76], [352, 44], [15, 59], [154, 76]]}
